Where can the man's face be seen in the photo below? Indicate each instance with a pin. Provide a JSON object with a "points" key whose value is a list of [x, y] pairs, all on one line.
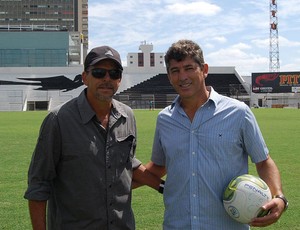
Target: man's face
{"points": [[187, 77], [101, 86]]}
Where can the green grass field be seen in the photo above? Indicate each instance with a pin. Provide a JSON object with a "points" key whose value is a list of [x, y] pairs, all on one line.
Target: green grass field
{"points": [[19, 130]]}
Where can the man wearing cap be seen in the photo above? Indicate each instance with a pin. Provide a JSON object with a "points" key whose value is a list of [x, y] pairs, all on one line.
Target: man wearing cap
{"points": [[84, 160]]}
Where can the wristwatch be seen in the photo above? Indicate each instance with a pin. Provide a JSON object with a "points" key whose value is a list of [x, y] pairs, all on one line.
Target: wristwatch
{"points": [[161, 187], [282, 197]]}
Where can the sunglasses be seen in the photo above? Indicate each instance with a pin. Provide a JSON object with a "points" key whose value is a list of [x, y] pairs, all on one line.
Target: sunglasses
{"points": [[101, 73]]}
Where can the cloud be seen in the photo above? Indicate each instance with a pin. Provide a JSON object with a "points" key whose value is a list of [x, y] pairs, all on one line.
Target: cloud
{"points": [[194, 8], [284, 42], [234, 33], [238, 55], [220, 39], [214, 41], [261, 43], [241, 46], [289, 8], [291, 66]]}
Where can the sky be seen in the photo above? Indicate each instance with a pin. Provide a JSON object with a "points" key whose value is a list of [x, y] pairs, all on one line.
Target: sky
{"points": [[231, 33]]}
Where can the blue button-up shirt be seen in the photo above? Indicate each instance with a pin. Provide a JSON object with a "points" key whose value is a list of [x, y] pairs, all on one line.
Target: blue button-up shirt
{"points": [[201, 157]]}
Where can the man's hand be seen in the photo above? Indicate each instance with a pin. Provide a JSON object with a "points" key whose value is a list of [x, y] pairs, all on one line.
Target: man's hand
{"points": [[276, 207]]}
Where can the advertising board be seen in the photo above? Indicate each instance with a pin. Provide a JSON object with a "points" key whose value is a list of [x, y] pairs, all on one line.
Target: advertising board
{"points": [[276, 82]]}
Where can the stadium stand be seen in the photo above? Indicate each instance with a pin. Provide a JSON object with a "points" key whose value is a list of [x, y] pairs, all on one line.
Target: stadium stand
{"points": [[159, 91]]}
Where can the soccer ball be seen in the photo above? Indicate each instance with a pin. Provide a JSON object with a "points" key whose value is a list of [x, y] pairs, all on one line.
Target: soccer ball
{"points": [[244, 196]]}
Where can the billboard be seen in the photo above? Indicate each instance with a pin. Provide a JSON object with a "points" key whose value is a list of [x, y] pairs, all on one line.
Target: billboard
{"points": [[276, 82]]}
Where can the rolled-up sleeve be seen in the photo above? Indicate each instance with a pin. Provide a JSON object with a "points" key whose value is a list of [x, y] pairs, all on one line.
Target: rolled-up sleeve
{"points": [[42, 169], [136, 163], [255, 144]]}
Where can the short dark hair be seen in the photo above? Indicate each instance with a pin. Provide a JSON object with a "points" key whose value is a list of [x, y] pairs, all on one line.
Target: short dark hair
{"points": [[182, 49]]}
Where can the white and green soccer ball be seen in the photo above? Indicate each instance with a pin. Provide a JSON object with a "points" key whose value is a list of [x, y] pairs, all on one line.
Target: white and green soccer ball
{"points": [[244, 196]]}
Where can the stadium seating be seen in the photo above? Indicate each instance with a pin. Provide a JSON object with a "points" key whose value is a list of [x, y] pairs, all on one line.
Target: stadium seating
{"points": [[159, 90]]}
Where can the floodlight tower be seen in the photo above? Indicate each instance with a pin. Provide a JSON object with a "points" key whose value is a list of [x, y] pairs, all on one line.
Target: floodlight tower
{"points": [[274, 47]]}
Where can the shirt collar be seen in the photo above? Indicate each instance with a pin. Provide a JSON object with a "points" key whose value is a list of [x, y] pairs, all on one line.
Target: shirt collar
{"points": [[117, 109], [213, 97], [87, 112]]}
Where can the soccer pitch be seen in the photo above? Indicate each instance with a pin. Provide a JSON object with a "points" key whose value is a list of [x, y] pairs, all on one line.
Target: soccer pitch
{"points": [[19, 131]]}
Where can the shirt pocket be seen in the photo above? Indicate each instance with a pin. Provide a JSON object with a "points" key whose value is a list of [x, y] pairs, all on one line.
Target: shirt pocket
{"points": [[221, 143], [121, 151]]}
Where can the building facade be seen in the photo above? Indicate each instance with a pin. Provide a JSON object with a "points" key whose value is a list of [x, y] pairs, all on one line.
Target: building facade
{"points": [[43, 88], [145, 59], [25, 23]]}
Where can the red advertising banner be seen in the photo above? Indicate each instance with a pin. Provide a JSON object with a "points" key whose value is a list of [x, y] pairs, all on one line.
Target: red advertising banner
{"points": [[276, 82]]}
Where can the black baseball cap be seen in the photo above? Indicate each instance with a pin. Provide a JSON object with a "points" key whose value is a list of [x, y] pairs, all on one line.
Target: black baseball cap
{"points": [[100, 53]]}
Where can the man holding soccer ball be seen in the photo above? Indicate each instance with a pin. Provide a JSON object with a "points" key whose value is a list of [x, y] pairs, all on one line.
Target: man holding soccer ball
{"points": [[202, 141]]}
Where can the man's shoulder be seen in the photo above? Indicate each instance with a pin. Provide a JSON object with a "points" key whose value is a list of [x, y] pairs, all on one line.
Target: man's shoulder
{"points": [[66, 110], [64, 106], [232, 102]]}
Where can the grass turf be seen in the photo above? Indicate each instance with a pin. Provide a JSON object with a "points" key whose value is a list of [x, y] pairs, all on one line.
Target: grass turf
{"points": [[18, 134]]}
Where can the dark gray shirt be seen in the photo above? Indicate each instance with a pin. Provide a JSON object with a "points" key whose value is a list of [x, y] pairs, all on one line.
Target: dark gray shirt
{"points": [[84, 173]]}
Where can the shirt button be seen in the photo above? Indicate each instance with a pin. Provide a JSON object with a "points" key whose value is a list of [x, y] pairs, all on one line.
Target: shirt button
{"points": [[193, 174], [193, 153], [194, 195], [195, 217]]}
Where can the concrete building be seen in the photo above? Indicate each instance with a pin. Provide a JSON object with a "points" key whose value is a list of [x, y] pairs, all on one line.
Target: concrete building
{"points": [[43, 88], [36, 33], [144, 79], [145, 60]]}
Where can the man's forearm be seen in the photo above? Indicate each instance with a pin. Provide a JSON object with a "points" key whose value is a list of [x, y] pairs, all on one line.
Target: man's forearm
{"points": [[148, 174], [269, 172], [142, 176], [37, 210]]}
